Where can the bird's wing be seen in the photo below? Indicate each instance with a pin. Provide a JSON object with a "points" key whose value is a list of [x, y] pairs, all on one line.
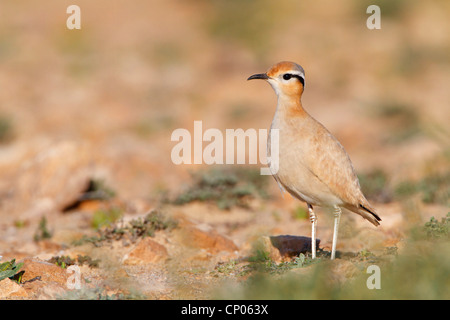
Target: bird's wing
{"points": [[330, 163]]}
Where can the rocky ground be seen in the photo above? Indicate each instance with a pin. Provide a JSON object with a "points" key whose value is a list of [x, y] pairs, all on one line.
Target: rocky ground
{"points": [[165, 249]]}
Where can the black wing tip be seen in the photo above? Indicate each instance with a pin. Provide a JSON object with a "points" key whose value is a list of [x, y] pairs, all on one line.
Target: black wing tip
{"points": [[371, 212]]}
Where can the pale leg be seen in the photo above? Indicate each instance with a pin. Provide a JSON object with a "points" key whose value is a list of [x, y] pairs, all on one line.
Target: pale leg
{"points": [[337, 218], [313, 219]]}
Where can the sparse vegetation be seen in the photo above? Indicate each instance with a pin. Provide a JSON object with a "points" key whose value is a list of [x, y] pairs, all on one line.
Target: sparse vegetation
{"points": [[104, 217], [99, 190], [6, 131], [42, 231], [62, 261], [375, 186], [65, 261], [227, 187], [135, 229], [402, 119], [10, 269], [438, 229], [433, 189], [300, 213], [226, 268], [99, 294], [417, 273], [246, 23]]}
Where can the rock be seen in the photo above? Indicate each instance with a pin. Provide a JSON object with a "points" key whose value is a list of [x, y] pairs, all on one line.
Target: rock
{"points": [[44, 280], [207, 239], [51, 180], [265, 245], [10, 289], [147, 251], [289, 246], [41, 271]]}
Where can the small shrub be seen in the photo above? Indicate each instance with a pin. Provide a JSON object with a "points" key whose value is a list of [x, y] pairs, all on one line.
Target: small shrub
{"points": [[10, 269], [438, 230], [375, 186], [42, 231], [137, 228], [65, 261], [6, 131], [104, 217], [433, 189], [226, 187]]}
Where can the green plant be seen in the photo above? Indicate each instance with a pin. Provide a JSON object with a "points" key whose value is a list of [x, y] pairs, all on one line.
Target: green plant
{"points": [[135, 229], [438, 230], [261, 261], [227, 187], [375, 186], [104, 217], [5, 129], [402, 119], [433, 189], [99, 294], [243, 22], [152, 222], [96, 189], [10, 269], [65, 261], [226, 268], [419, 271], [300, 213], [62, 261], [42, 231], [99, 190]]}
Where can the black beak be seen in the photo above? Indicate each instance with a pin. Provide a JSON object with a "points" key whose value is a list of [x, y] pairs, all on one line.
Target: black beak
{"points": [[262, 76]]}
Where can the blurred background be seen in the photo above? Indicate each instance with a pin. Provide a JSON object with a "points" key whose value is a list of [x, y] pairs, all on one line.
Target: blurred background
{"points": [[101, 103]]}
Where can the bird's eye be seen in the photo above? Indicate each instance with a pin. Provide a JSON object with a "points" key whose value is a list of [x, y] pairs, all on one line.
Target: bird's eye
{"points": [[287, 76]]}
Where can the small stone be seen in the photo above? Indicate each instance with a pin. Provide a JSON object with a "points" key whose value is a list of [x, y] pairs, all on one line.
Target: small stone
{"points": [[44, 271], [10, 289], [290, 246], [147, 251], [208, 240]]}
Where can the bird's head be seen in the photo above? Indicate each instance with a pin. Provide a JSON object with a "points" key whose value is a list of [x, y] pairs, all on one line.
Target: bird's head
{"points": [[286, 78]]}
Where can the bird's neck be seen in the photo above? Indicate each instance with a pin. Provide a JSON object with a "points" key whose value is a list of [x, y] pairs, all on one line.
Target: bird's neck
{"points": [[291, 106]]}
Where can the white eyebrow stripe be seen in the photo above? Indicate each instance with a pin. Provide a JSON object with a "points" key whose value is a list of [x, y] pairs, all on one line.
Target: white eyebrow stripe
{"points": [[298, 74]]}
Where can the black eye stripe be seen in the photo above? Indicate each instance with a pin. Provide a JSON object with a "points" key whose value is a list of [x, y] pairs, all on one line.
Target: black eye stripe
{"points": [[299, 79], [288, 76]]}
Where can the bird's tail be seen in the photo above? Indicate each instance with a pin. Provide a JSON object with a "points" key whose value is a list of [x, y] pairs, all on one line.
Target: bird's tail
{"points": [[369, 213]]}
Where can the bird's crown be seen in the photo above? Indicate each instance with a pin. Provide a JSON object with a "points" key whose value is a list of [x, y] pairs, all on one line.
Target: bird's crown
{"points": [[286, 68]]}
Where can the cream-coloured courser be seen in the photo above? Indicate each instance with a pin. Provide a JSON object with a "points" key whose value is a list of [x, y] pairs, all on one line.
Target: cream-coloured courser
{"points": [[313, 166]]}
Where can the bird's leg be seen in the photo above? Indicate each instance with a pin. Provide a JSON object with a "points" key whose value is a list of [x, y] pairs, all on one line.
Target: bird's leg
{"points": [[313, 219], [337, 218]]}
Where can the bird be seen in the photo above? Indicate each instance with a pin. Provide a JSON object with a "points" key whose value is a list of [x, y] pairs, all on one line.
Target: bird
{"points": [[313, 166]]}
